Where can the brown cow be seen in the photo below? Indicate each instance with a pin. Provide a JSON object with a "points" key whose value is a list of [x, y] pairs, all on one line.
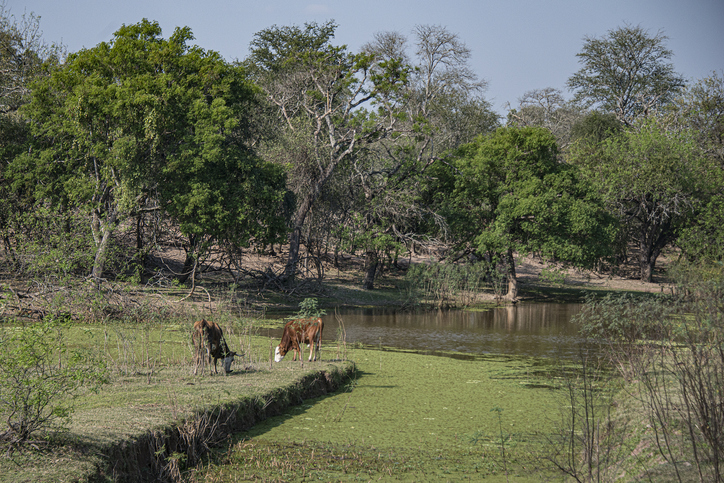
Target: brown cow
{"points": [[208, 337], [301, 331]]}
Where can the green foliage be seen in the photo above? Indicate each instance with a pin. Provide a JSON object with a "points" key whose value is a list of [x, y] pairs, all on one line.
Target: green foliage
{"points": [[596, 126], [51, 244], [142, 117], [39, 377], [509, 192], [447, 283], [651, 178], [701, 107], [308, 309], [625, 317]]}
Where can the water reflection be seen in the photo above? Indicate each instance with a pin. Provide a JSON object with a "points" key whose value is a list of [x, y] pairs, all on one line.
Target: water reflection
{"points": [[535, 329]]}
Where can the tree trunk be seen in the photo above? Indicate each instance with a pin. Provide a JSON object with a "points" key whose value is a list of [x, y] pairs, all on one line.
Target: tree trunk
{"points": [[105, 229], [141, 254], [650, 246], [190, 261], [512, 294], [295, 238], [371, 263], [100, 257]]}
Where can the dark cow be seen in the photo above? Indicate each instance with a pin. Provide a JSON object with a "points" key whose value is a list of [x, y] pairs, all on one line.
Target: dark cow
{"points": [[301, 331], [208, 339]]}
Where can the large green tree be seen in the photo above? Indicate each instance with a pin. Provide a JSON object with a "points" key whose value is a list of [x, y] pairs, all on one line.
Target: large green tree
{"points": [[701, 109], [507, 193], [24, 57], [651, 178], [626, 72], [145, 118]]}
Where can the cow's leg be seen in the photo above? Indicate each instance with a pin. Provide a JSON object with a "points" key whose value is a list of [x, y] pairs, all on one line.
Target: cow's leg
{"points": [[311, 349]]}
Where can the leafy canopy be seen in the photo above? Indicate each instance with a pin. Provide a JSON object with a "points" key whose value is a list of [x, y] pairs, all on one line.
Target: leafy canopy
{"points": [[145, 117], [510, 192]]}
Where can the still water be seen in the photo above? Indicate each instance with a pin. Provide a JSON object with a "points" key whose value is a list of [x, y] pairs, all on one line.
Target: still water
{"points": [[525, 329]]}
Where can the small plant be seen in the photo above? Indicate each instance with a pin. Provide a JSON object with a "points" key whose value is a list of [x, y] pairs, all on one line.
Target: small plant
{"points": [[502, 439], [38, 377], [308, 309]]}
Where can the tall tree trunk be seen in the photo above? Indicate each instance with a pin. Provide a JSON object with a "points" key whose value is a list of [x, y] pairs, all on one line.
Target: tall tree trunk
{"points": [[295, 237], [295, 240], [371, 264], [141, 254], [512, 294]]}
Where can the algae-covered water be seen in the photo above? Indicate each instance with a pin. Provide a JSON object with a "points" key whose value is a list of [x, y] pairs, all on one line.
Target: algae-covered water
{"points": [[407, 417]]}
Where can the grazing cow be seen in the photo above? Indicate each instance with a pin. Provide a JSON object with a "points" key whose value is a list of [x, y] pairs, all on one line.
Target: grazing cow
{"points": [[209, 338], [301, 331]]}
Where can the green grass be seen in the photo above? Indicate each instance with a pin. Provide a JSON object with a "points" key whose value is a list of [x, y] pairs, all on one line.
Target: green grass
{"points": [[153, 389]]}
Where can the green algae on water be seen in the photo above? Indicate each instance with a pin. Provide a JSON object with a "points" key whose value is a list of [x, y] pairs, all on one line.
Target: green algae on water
{"points": [[407, 416]]}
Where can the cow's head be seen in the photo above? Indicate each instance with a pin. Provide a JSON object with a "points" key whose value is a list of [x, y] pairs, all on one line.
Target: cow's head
{"points": [[279, 354], [228, 360]]}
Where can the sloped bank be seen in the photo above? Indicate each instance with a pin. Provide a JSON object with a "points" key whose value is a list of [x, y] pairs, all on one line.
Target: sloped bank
{"points": [[161, 454]]}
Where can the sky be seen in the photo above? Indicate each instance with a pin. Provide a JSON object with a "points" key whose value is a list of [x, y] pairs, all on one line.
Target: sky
{"points": [[516, 45]]}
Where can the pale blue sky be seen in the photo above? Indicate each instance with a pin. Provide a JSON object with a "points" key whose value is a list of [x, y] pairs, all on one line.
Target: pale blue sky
{"points": [[517, 45]]}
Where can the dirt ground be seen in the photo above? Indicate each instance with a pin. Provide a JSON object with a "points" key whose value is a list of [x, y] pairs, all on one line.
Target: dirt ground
{"points": [[529, 270]]}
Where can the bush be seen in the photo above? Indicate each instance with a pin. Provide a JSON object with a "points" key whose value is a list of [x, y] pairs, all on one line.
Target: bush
{"points": [[444, 283], [38, 377]]}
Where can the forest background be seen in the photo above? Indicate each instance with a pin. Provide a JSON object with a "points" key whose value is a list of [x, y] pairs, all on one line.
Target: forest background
{"points": [[112, 152]]}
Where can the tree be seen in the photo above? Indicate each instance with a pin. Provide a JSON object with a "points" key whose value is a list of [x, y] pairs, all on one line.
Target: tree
{"points": [[24, 57], [546, 108], [650, 177], [595, 126], [321, 91], [701, 109], [440, 108], [626, 72], [142, 118], [508, 194], [39, 376]]}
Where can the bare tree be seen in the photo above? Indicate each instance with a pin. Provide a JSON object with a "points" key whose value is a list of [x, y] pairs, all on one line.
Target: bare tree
{"points": [[626, 72], [442, 107], [547, 108]]}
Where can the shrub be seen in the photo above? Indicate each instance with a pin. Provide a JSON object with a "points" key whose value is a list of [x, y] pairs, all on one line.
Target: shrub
{"points": [[446, 283], [38, 377]]}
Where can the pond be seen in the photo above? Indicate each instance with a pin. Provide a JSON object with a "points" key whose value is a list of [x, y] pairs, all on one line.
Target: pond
{"points": [[525, 329], [415, 417]]}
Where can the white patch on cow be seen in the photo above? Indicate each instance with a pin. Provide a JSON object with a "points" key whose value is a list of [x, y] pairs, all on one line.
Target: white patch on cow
{"points": [[277, 356], [227, 362]]}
